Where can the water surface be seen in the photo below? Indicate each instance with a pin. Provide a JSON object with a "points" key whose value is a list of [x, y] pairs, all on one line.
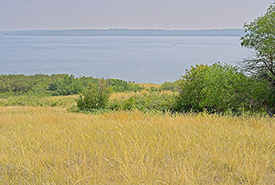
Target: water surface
{"points": [[139, 59]]}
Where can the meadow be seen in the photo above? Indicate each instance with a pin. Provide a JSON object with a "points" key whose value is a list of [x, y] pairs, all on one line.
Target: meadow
{"points": [[45, 145], [136, 138]]}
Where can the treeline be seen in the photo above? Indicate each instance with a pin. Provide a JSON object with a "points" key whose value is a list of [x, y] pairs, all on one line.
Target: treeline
{"points": [[57, 84]]}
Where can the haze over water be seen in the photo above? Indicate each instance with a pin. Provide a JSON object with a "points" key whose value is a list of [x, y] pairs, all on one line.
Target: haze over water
{"points": [[139, 59]]}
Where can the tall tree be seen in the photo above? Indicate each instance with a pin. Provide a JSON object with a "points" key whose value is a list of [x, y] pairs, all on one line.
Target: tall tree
{"points": [[260, 36]]}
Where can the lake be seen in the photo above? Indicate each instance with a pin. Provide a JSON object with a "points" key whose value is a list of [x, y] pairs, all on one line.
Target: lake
{"points": [[140, 59]]}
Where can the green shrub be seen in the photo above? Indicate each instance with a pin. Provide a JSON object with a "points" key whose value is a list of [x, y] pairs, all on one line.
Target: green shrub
{"points": [[123, 86], [170, 86], [96, 96], [67, 86], [218, 89], [145, 102]]}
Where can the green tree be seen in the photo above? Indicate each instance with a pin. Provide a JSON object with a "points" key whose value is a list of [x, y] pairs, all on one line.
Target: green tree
{"points": [[217, 88], [260, 36]]}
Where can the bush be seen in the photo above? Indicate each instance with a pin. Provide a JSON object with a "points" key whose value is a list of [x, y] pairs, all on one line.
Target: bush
{"points": [[216, 89], [67, 86], [95, 97], [170, 86], [145, 102]]}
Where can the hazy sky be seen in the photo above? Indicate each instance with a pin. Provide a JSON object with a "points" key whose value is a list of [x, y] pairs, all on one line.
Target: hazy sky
{"points": [[163, 14]]}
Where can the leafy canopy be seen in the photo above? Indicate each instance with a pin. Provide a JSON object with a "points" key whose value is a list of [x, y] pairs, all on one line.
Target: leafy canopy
{"points": [[260, 36], [217, 88]]}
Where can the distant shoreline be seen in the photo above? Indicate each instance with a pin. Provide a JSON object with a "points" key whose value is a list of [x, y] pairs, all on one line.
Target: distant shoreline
{"points": [[125, 32]]}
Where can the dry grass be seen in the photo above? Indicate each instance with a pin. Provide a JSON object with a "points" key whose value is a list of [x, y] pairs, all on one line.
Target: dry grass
{"points": [[124, 95], [47, 101], [149, 85], [51, 146]]}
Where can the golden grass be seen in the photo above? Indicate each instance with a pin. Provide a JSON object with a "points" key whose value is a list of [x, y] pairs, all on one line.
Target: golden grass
{"points": [[47, 101], [123, 95], [51, 146], [148, 85]]}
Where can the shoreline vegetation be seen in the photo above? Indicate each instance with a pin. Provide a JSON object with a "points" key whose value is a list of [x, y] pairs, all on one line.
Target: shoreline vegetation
{"points": [[215, 89]]}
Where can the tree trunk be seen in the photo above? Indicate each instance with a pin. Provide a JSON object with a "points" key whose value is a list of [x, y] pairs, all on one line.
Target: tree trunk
{"points": [[269, 111]]}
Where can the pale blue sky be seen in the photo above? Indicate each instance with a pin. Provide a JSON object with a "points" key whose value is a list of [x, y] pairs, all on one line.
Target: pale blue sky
{"points": [[137, 14]]}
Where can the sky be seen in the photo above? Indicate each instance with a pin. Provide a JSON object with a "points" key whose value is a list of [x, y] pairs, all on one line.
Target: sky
{"points": [[131, 14]]}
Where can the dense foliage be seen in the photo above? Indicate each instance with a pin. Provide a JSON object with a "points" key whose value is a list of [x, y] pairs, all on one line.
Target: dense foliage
{"points": [[169, 86], [260, 36], [218, 89], [59, 84], [96, 96], [153, 102]]}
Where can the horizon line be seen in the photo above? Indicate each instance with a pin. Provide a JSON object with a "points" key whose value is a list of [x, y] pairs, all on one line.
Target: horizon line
{"points": [[133, 29]]}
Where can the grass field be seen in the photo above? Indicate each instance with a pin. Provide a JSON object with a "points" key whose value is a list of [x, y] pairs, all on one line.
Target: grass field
{"points": [[39, 101], [51, 146]]}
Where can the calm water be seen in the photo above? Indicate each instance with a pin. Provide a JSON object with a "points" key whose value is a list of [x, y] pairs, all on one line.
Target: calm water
{"points": [[139, 59]]}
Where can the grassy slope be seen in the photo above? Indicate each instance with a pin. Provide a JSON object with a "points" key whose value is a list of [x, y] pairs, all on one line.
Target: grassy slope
{"points": [[50, 145]]}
